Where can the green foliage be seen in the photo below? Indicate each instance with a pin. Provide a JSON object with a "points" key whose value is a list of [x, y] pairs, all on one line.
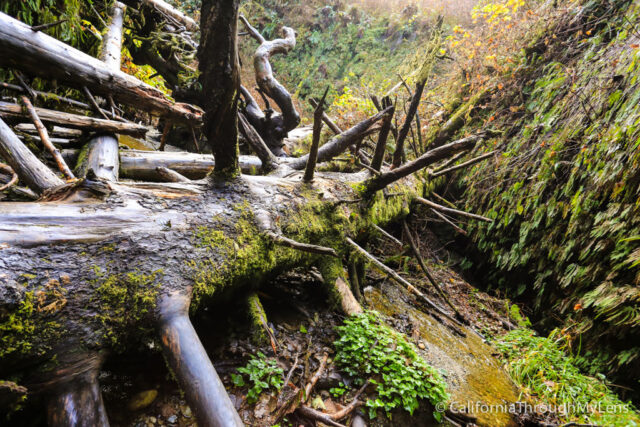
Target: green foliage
{"points": [[564, 191], [369, 349], [549, 374], [262, 374]]}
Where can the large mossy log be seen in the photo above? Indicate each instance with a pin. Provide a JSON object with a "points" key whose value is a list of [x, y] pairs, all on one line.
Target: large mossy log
{"points": [[86, 272], [40, 55]]}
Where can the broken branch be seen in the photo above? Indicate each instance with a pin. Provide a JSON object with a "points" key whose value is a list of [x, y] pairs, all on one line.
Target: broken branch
{"points": [[395, 276], [315, 142], [46, 142], [430, 157], [452, 211], [463, 165]]}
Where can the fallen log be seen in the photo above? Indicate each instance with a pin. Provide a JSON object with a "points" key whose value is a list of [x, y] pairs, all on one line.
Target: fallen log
{"points": [[142, 165], [31, 171], [9, 111], [40, 55]]}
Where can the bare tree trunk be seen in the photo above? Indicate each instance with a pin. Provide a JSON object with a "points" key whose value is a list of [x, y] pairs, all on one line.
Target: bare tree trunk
{"points": [[220, 79]]}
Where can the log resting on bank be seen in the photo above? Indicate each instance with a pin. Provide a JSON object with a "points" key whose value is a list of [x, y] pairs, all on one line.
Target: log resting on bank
{"points": [[40, 55]]}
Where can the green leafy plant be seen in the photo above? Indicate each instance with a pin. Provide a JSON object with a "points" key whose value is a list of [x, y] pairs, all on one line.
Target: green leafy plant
{"points": [[548, 373], [262, 374], [369, 349], [338, 391]]}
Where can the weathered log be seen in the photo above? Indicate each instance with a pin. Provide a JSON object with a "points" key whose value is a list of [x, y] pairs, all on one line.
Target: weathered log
{"points": [[430, 157], [141, 165], [40, 55], [171, 175], [99, 155], [189, 361], [44, 139], [29, 168], [339, 143], [13, 111]]}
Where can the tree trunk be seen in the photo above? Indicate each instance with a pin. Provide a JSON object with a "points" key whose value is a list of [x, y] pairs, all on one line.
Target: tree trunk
{"points": [[43, 56], [220, 79]]}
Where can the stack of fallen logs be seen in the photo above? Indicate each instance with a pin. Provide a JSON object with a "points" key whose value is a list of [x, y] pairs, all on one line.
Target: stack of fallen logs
{"points": [[27, 50]]}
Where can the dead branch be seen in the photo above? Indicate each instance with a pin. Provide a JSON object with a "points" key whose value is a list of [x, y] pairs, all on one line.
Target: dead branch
{"points": [[264, 73], [395, 276], [381, 145], [46, 142], [389, 236], [318, 416], [304, 247], [463, 165], [326, 119], [10, 171], [430, 157], [351, 406], [315, 142], [452, 211], [93, 102], [448, 221], [425, 270], [314, 379], [408, 121], [168, 10], [42, 27]]}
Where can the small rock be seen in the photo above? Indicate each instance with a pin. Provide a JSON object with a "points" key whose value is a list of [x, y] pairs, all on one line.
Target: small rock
{"points": [[421, 345], [172, 419], [153, 420], [142, 400]]}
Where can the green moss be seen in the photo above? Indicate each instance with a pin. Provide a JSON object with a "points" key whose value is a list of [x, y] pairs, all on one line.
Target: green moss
{"points": [[126, 303], [258, 319], [25, 329]]}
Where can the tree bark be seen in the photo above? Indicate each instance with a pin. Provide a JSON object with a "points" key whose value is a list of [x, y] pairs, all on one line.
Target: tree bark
{"points": [[220, 79], [43, 56]]}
